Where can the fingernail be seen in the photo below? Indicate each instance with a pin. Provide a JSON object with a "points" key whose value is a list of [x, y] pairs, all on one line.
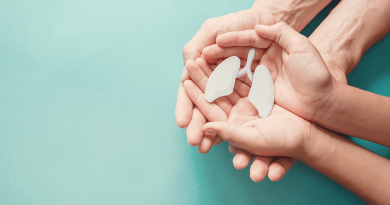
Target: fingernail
{"points": [[211, 131]]}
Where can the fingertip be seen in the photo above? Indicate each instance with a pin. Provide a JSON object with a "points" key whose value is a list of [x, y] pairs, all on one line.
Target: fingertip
{"points": [[238, 164], [211, 52], [187, 83], [202, 63], [259, 168], [257, 174], [279, 167], [190, 65], [206, 52], [276, 171], [194, 137], [217, 140], [242, 159], [222, 40], [181, 121], [232, 149], [206, 143]]}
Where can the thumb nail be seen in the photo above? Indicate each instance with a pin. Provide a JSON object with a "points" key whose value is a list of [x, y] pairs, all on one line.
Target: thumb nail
{"points": [[211, 131]]}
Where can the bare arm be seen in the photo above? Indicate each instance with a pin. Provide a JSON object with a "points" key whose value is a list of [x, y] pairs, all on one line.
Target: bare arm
{"points": [[345, 35], [349, 31], [358, 113], [364, 173], [295, 13]]}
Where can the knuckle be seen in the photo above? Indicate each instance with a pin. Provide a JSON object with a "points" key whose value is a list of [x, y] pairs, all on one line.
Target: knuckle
{"points": [[209, 22], [281, 25], [186, 49], [212, 24]]}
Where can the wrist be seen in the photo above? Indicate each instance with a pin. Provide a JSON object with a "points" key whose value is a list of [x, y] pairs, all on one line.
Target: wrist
{"points": [[336, 68], [320, 145], [295, 13], [339, 58], [325, 112]]}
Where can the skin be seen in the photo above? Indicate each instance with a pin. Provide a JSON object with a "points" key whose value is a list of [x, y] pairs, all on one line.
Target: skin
{"points": [[286, 134], [330, 154], [315, 95], [297, 13], [235, 109], [342, 38]]}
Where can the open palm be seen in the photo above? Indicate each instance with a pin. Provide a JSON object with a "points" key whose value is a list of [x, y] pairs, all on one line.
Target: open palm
{"points": [[234, 109], [302, 82]]}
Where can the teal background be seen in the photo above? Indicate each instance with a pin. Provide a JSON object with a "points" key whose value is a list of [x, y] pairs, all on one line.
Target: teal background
{"points": [[87, 97]]}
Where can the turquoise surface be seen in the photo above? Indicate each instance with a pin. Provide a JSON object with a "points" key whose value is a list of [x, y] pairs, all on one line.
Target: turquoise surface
{"points": [[87, 97]]}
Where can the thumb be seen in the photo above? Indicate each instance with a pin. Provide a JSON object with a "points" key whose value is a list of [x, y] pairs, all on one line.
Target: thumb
{"points": [[242, 137], [289, 39]]}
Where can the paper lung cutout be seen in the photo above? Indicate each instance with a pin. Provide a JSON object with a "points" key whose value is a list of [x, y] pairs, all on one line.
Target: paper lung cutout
{"points": [[222, 79], [261, 94]]}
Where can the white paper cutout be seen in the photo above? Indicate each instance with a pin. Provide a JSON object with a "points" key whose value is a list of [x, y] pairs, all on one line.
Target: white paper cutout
{"points": [[222, 79], [261, 94]]}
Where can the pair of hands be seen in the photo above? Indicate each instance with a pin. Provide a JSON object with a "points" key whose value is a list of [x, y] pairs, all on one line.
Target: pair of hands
{"points": [[302, 83]]}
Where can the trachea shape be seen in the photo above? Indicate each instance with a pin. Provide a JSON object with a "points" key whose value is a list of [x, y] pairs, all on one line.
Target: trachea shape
{"points": [[222, 79]]}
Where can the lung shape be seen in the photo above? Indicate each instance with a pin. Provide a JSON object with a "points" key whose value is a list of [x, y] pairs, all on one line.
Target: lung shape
{"points": [[222, 79], [261, 94]]}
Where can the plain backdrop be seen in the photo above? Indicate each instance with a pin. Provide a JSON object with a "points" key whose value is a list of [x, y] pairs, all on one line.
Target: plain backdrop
{"points": [[87, 97]]}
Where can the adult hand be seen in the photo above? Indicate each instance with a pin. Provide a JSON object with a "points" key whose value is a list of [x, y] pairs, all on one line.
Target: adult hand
{"points": [[186, 115], [303, 83], [282, 67]]}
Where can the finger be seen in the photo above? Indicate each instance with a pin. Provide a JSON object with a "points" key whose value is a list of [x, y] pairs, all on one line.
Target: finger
{"points": [[246, 138], [215, 51], [242, 86], [195, 128], [193, 49], [272, 59], [213, 61], [211, 111], [279, 167], [289, 39], [183, 110], [217, 141], [197, 75], [243, 38], [204, 66], [207, 143], [242, 159], [260, 168], [200, 79], [232, 149]]}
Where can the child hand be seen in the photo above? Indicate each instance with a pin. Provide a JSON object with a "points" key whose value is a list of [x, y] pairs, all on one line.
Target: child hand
{"points": [[235, 109], [302, 82]]}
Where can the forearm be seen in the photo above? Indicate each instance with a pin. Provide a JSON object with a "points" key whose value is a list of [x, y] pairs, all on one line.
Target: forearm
{"points": [[358, 113], [353, 167], [349, 31], [296, 13]]}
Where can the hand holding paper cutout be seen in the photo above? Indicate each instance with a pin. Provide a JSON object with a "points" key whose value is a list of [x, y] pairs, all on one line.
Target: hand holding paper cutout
{"points": [[222, 79], [303, 84], [235, 109]]}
